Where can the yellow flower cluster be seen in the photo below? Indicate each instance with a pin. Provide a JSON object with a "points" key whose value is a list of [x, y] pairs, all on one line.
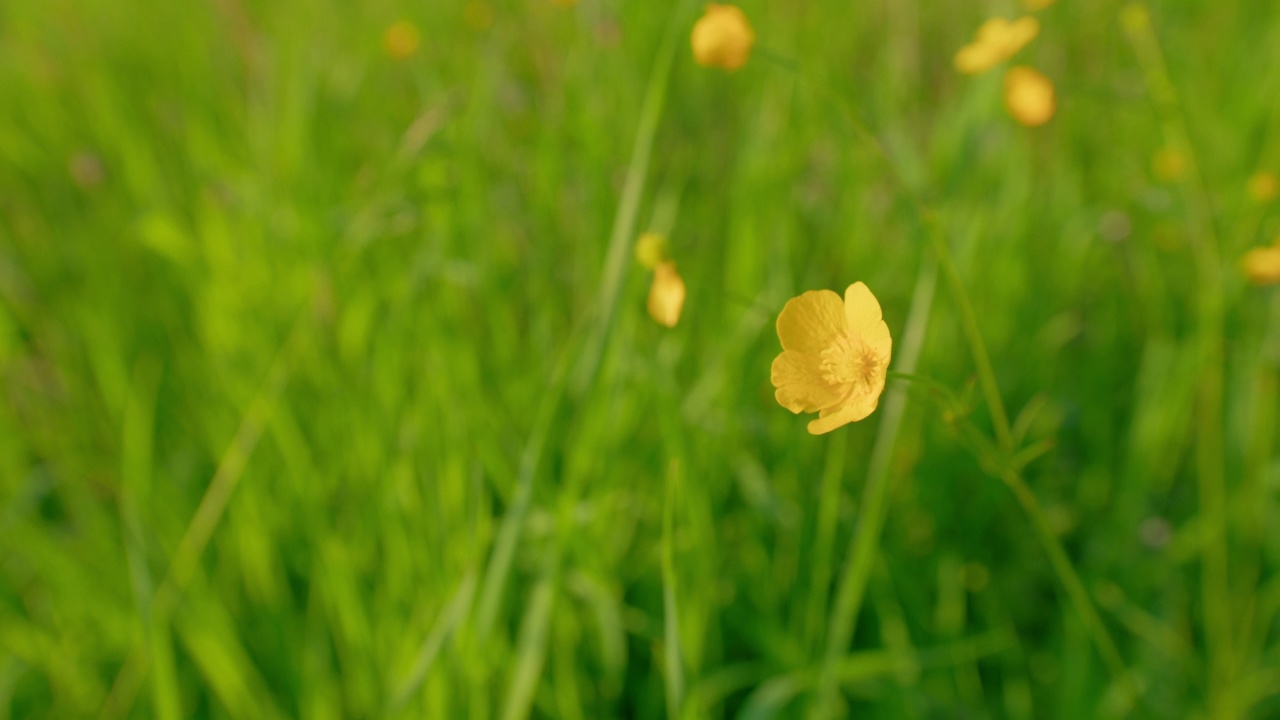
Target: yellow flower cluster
{"points": [[1028, 94]]}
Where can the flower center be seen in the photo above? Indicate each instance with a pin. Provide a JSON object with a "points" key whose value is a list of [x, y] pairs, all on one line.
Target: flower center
{"points": [[850, 362]]}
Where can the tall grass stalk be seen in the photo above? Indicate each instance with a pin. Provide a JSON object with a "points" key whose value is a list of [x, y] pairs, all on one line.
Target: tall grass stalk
{"points": [[1210, 454], [200, 529]]}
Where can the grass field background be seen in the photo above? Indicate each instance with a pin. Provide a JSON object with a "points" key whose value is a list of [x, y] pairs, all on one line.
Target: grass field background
{"points": [[320, 396]]}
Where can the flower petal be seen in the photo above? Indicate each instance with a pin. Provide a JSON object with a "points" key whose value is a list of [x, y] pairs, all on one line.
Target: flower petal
{"points": [[861, 309], [976, 58], [1019, 33], [666, 294], [832, 418], [809, 323], [799, 383]]}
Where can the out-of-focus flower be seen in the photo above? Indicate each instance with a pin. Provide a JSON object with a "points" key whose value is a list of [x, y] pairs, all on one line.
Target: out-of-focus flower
{"points": [[1261, 265], [666, 294], [722, 37], [835, 356], [997, 40], [401, 39], [1169, 165], [1264, 186], [1028, 96], [651, 249]]}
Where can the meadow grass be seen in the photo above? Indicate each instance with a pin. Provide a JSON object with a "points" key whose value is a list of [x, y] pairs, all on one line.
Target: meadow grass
{"points": [[327, 388]]}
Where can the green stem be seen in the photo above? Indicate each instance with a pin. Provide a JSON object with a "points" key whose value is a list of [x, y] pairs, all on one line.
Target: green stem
{"points": [[977, 348], [825, 539], [1067, 575]]}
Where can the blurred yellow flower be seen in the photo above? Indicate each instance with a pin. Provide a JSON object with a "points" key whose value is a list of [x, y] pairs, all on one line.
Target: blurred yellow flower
{"points": [[401, 39], [1028, 96], [1169, 165], [666, 294], [722, 37], [997, 40], [1264, 186], [651, 249], [835, 356], [1261, 265]]}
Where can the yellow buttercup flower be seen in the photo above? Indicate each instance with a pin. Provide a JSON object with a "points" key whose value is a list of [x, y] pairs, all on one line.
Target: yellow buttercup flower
{"points": [[1261, 265], [666, 294], [401, 39], [997, 40], [835, 356], [722, 37], [1028, 96], [1264, 186]]}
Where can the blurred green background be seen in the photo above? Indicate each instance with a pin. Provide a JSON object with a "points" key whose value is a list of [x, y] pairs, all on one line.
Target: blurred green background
{"points": [[319, 400]]}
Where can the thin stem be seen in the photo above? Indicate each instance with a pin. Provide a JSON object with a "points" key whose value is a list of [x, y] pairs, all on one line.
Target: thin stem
{"points": [[977, 348], [1067, 574], [674, 685], [208, 516], [825, 539]]}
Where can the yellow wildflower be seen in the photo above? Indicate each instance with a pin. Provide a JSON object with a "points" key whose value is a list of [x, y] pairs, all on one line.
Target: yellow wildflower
{"points": [[1264, 186], [401, 39], [1169, 165], [835, 356], [722, 37], [1261, 265], [997, 40], [1028, 96], [651, 249], [666, 294]]}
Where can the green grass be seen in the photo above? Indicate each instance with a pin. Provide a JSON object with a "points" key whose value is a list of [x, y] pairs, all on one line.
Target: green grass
{"points": [[327, 388]]}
